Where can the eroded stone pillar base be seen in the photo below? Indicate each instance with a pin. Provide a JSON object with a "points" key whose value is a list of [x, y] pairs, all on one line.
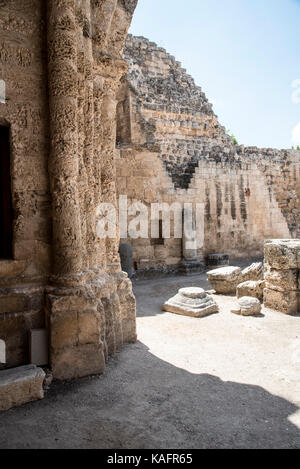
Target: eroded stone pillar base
{"points": [[88, 323]]}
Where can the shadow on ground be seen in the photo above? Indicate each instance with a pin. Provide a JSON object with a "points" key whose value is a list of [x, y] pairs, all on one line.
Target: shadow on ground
{"points": [[145, 402]]}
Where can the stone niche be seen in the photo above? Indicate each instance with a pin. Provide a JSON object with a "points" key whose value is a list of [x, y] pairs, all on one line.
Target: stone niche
{"points": [[62, 63], [282, 275]]}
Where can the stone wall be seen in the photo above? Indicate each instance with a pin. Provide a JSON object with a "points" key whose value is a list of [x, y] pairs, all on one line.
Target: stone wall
{"points": [[62, 64], [173, 149], [23, 67]]}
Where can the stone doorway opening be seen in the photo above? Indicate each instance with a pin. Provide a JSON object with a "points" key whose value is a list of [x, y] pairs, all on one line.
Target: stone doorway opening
{"points": [[6, 213]]}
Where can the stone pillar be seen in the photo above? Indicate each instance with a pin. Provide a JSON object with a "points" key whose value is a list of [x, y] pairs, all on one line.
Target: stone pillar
{"points": [[64, 161], [74, 311], [90, 305]]}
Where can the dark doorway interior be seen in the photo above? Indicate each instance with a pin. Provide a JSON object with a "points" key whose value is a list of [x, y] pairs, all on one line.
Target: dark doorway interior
{"points": [[6, 215]]}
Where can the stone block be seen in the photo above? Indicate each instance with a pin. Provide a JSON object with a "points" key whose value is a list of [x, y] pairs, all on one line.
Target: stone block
{"points": [[281, 280], [20, 385], [282, 254], [10, 269], [247, 306], [63, 330], [225, 280], [77, 361], [89, 327], [254, 272], [251, 288], [285, 302]]}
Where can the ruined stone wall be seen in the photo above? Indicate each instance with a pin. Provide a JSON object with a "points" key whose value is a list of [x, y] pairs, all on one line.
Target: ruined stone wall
{"points": [[172, 149], [63, 67], [23, 68]]}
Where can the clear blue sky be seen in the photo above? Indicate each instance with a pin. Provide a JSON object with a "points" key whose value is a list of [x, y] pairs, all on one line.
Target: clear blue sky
{"points": [[245, 54]]}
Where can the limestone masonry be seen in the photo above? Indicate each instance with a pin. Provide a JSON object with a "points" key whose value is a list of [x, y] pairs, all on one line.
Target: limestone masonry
{"points": [[61, 63], [80, 124], [173, 149]]}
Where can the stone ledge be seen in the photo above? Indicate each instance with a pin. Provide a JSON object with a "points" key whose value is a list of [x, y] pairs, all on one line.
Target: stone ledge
{"points": [[20, 385]]}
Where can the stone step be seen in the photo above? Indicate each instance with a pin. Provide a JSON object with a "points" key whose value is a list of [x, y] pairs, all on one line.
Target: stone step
{"points": [[20, 385]]}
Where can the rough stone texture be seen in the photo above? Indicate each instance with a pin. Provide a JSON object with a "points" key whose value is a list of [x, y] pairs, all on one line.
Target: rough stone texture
{"points": [[282, 254], [225, 279], [191, 301], [282, 274], [173, 149], [254, 272], [248, 306], [62, 64], [251, 288], [284, 301], [20, 385]]}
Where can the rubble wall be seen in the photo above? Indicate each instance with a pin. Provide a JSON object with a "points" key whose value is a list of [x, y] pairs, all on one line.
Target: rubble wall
{"points": [[172, 148]]}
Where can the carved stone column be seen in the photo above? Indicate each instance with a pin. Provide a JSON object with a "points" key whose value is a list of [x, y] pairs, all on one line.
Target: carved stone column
{"points": [[74, 311], [64, 162]]}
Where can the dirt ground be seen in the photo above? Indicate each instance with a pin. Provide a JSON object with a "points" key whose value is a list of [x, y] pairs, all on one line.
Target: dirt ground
{"points": [[223, 381]]}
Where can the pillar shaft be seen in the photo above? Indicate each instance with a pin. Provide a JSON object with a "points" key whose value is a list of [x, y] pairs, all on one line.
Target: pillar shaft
{"points": [[64, 161]]}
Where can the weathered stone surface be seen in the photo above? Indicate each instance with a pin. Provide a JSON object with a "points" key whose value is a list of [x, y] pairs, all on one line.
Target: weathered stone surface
{"points": [[191, 301], [282, 271], [254, 272], [62, 79], [282, 280], [171, 147], [251, 288], [225, 280], [283, 254], [247, 306], [20, 385], [10, 269], [284, 301]]}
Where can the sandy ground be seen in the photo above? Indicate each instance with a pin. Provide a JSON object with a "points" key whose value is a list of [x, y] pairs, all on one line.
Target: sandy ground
{"points": [[223, 381]]}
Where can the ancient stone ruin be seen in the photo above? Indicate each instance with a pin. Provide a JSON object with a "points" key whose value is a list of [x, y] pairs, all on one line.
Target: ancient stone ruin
{"points": [[61, 63], [171, 148], [282, 275], [191, 301], [82, 123]]}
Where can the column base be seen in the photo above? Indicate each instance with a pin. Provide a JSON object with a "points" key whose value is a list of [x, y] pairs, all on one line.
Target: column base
{"points": [[88, 323]]}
